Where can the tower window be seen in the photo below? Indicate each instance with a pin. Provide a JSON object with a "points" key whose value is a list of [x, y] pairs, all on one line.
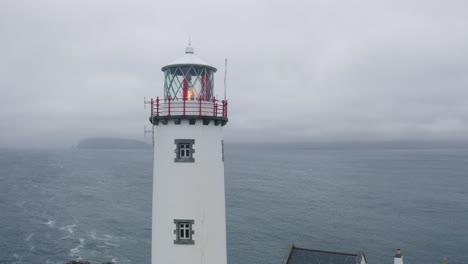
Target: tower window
{"points": [[184, 231], [184, 150]]}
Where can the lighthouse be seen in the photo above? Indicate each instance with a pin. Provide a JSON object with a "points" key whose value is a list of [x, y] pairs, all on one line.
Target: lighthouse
{"points": [[188, 218]]}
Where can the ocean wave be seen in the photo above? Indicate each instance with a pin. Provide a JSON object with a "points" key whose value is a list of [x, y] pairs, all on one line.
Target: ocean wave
{"points": [[105, 237], [50, 223], [75, 252], [111, 244], [29, 237], [19, 258], [107, 240], [68, 228], [92, 234]]}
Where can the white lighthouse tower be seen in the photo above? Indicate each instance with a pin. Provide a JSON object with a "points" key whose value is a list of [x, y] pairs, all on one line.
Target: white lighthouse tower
{"points": [[189, 221]]}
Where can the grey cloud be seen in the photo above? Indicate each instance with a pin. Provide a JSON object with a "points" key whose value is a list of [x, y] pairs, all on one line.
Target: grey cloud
{"points": [[298, 71]]}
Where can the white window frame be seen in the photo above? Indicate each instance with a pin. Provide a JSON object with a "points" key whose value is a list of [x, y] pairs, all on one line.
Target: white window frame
{"points": [[184, 150], [184, 231]]}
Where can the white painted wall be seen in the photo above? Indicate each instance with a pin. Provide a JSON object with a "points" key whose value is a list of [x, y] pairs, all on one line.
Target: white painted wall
{"points": [[184, 190]]}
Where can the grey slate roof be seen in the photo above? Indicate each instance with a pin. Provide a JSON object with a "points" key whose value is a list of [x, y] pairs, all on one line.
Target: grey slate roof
{"points": [[310, 256]]}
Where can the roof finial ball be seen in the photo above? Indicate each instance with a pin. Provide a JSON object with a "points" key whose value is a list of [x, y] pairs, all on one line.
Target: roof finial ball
{"points": [[189, 48]]}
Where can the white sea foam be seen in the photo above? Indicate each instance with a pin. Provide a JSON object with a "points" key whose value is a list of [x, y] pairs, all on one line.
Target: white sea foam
{"points": [[50, 223], [29, 237], [19, 258], [68, 228], [111, 244], [93, 235], [65, 237], [75, 252], [108, 240]]}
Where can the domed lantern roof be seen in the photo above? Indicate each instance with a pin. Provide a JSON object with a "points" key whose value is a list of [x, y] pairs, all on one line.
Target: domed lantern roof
{"points": [[189, 59]]}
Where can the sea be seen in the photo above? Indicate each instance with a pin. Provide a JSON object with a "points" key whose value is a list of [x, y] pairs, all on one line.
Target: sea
{"points": [[59, 205]]}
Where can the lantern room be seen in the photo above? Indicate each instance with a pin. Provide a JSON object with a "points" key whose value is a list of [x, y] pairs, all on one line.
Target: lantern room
{"points": [[189, 78], [189, 93]]}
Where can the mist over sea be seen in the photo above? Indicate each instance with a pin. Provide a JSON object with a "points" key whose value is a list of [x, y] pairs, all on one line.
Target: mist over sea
{"points": [[61, 205]]}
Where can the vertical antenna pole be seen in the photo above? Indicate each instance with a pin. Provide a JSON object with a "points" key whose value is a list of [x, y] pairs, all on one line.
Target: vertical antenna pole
{"points": [[152, 110], [225, 76]]}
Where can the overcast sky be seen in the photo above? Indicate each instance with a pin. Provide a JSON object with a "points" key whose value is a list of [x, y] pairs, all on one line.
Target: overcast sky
{"points": [[313, 70]]}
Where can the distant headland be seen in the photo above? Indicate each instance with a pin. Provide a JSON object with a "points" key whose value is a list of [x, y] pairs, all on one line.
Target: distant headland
{"points": [[112, 143]]}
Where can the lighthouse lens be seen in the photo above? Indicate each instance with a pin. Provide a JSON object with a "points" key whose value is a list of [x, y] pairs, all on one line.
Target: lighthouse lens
{"points": [[189, 82]]}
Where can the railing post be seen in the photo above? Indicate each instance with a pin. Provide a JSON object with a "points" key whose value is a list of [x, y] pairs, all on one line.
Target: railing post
{"points": [[157, 106], [224, 108], [169, 106], [184, 99], [200, 106], [214, 106]]}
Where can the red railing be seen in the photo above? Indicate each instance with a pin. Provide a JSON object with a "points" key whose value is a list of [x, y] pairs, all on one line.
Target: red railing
{"points": [[173, 107]]}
